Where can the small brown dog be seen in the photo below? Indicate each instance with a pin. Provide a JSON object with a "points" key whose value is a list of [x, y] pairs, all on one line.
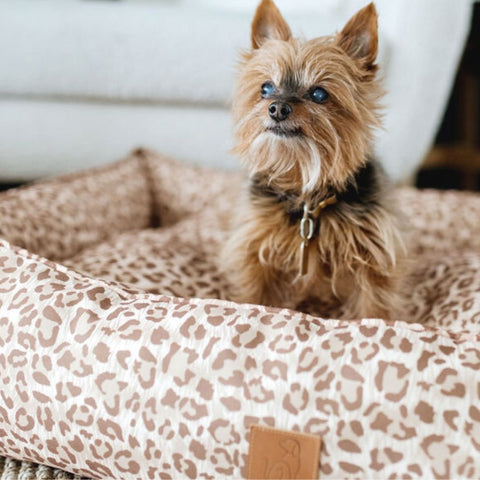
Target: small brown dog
{"points": [[317, 220]]}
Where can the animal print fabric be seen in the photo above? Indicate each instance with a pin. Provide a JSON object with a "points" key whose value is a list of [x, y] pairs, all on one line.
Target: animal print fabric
{"points": [[58, 218], [111, 366]]}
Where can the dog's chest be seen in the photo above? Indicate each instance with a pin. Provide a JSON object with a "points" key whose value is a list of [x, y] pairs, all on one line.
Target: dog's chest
{"points": [[298, 249]]}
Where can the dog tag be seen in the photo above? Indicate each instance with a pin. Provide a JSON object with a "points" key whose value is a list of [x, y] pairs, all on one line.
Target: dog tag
{"points": [[303, 258], [307, 228]]}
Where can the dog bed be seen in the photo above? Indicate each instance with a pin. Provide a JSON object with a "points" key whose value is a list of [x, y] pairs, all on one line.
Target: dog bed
{"points": [[121, 357]]}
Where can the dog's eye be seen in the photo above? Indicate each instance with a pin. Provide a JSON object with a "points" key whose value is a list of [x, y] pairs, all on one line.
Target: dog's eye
{"points": [[267, 89], [319, 94]]}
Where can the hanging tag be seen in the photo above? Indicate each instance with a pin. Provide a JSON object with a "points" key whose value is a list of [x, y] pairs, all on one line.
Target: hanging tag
{"points": [[303, 258], [307, 227]]}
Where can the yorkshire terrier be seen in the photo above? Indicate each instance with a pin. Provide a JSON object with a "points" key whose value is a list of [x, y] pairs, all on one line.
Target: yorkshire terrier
{"points": [[317, 221]]}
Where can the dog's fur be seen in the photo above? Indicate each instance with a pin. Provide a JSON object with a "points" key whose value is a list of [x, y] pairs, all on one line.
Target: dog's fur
{"points": [[320, 149]]}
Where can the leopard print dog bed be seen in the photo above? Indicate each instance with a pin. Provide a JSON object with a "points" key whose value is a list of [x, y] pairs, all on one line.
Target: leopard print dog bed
{"points": [[121, 357]]}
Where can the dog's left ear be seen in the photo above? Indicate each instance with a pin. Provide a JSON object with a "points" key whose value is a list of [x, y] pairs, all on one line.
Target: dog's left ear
{"points": [[359, 37], [268, 23]]}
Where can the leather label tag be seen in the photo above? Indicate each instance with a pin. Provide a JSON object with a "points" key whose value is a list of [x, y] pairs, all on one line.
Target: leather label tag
{"points": [[282, 454]]}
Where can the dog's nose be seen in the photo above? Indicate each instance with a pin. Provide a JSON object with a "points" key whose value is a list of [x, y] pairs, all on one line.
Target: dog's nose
{"points": [[279, 111]]}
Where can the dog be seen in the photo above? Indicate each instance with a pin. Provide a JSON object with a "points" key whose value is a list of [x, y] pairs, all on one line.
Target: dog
{"points": [[316, 220]]}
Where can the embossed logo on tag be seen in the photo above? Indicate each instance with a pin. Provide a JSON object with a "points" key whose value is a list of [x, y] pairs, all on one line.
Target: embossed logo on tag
{"points": [[282, 454]]}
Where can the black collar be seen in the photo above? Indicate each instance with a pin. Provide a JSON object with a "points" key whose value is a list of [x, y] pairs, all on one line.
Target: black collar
{"points": [[361, 191]]}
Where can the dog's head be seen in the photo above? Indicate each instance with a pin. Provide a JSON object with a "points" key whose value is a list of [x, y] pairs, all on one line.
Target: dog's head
{"points": [[304, 111]]}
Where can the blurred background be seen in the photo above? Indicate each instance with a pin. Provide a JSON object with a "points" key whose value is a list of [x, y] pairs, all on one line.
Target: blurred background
{"points": [[454, 160], [84, 81]]}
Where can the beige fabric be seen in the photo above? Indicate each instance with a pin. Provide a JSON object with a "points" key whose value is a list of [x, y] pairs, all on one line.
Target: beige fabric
{"points": [[104, 378]]}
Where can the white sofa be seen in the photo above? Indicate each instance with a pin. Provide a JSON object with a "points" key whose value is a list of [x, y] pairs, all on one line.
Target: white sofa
{"points": [[88, 80]]}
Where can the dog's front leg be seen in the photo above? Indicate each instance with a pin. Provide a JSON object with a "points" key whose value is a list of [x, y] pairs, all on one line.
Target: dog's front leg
{"points": [[251, 279], [372, 295], [258, 283]]}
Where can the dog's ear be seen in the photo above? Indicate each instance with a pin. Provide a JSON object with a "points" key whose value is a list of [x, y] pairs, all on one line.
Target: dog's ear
{"points": [[268, 23], [359, 37]]}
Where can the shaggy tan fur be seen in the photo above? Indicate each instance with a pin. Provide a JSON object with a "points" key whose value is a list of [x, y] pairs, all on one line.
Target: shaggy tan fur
{"points": [[356, 254]]}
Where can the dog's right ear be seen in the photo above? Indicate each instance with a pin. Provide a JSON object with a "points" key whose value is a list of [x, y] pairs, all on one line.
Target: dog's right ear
{"points": [[268, 23]]}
